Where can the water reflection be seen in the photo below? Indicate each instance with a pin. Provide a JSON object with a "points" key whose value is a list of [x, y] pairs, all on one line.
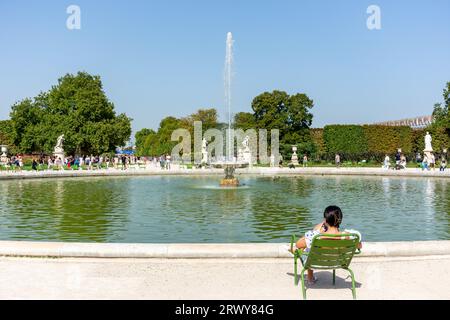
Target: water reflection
{"points": [[188, 209], [64, 209]]}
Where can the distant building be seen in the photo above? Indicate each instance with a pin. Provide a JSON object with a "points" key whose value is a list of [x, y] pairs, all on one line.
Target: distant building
{"points": [[415, 123]]}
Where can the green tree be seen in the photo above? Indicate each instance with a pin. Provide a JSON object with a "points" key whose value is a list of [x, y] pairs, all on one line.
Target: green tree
{"points": [[140, 138], [290, 114], [440, 128], [244, 121], [6, 134], [76, 107]]}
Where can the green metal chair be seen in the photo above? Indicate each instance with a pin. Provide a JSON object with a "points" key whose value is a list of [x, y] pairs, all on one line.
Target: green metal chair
{"points": [[327, 252]]}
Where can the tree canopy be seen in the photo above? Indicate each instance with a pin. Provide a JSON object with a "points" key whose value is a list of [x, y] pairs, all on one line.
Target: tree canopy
{"points": [[76, 107], [151, 143], [440, 129], [290, 114]]}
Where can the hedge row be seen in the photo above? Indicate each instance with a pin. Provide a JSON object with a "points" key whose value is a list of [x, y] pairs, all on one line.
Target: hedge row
{"points": [[370, 142]]}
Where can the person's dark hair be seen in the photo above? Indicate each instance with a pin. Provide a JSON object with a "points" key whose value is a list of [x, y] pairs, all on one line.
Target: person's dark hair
{"points": [[333, 216]]}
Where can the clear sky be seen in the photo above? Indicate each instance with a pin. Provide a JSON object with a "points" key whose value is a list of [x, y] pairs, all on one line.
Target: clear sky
{"points": [[160, 58]]}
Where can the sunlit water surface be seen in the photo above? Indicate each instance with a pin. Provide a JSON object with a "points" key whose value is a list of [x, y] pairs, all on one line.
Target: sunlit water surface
{"points": [[189, 209]]}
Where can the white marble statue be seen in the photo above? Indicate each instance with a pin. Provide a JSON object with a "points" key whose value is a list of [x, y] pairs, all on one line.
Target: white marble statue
{"points": [[204, 151], [246, 143], [428, 139], [59, 144]]}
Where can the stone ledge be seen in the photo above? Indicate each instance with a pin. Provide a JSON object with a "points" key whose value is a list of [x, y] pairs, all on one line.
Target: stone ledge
{"points": [[204, 251], [325, 171]]}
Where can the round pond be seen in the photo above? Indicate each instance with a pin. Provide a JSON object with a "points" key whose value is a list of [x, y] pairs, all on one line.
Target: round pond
{"points": [[176, 209]]}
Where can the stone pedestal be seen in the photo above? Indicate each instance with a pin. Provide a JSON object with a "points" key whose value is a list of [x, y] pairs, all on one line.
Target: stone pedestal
{"points": [[59, 154], [4, 155], [428, 152], [247, 156], [240, 155], [294, 158], [204, 157], [272, 161]]}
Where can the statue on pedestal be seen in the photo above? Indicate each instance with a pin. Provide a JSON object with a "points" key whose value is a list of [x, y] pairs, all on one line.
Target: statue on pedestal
{"points": [[428, 151], [204, 151], [246, 153], [4, 156], [58, 152], [294, 158], [428, 139]]}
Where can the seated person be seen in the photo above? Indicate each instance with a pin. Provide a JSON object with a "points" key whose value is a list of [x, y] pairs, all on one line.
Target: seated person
{"points": [[330, 225], [402, 162]]}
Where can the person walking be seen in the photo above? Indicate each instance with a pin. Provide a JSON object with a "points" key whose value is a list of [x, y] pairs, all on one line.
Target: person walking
{"points": [[425, 163], [433, 162], [443, 165], [387, 162], [168, 157], [49, 163], [34, 165], [305, 161], [337, 160]]}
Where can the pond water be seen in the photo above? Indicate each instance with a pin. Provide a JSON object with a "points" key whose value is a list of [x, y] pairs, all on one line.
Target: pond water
{"points": [[193, 209]]}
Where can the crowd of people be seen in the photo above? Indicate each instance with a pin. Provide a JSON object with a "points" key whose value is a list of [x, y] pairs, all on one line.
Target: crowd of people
{"points": [[119, 162], [427, 162]]}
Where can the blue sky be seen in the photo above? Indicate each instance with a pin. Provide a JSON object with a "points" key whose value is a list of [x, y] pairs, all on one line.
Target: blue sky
{"points": [[160, 58]]}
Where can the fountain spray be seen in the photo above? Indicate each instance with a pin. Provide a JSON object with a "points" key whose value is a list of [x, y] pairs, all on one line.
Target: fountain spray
{"points": [[227, 83]]}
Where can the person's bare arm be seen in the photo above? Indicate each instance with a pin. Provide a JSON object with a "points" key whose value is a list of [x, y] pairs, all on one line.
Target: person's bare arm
{"points": [[300, 244]]}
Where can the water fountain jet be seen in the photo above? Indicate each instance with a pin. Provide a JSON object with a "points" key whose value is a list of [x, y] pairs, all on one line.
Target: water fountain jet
{"points": [[230, 165]]}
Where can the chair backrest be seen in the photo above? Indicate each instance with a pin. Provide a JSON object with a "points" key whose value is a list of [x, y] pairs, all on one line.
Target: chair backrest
{"points": [[332, 251]]}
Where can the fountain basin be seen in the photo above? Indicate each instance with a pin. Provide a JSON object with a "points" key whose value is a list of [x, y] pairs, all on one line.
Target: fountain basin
{"points": [[233, 182]]}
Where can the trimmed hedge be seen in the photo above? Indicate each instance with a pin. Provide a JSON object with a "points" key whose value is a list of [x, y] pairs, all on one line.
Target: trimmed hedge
{"points": [[347, 140], [370, 142], [382, 140], [317, 139]]}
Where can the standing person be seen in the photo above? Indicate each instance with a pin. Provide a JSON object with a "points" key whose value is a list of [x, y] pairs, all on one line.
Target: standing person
{"points": [[387, 162], [432, 162], [168, 162], [425, 163], [418, 158], [305, 161], [50, 163], [402, 163], [397, 158], [443, 164], [34, 165], [124, 162], [20, 161], [337, 160], [107, 162], [81, 163], [99, 161]]}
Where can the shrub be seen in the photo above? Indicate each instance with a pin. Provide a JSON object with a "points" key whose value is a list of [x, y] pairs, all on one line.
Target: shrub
{"points": [[347, 140]]}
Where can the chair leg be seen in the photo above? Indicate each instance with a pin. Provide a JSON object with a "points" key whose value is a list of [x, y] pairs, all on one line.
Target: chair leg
{"points": [[353, 283], [303, 283], [295, 270], [334, 277]]}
